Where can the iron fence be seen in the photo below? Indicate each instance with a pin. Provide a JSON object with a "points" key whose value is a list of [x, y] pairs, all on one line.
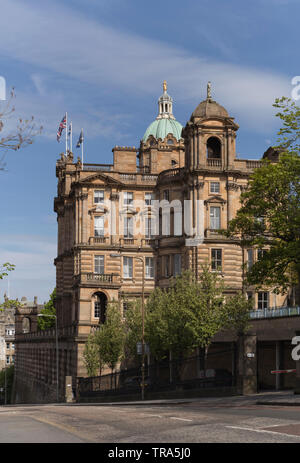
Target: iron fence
{"points": [[186, 374]]}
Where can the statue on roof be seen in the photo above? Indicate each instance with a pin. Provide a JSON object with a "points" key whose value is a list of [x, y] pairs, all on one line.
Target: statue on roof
{"points": [[164, 85], [208, 90]]}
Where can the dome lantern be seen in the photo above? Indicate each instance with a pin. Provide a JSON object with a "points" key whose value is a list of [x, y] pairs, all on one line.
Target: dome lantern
{"points": [[165, 122]]}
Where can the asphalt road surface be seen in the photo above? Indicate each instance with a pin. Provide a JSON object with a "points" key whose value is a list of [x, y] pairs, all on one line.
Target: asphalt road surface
{"points": [[229, 420]]}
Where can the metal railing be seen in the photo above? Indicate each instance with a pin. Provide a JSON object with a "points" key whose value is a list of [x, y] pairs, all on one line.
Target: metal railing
{"points": [[275, 312]]}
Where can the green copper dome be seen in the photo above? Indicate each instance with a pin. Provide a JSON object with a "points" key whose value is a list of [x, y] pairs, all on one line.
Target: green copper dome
{"points": [[165, 122], [161, 127]]}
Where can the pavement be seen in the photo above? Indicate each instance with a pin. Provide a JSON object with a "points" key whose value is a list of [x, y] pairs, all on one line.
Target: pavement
{"points": [[287, 398], [235, 419]]}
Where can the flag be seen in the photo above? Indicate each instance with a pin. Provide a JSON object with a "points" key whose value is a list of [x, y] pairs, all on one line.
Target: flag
{"points": [[70, 129], [61, 127], [80, 139]]}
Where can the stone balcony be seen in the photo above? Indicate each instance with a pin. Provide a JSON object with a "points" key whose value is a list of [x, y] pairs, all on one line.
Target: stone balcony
{"points": [[107, 280]]}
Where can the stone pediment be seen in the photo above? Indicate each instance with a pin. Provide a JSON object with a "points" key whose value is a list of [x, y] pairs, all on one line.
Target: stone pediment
{"points": [[100, 177], [215, 200]]}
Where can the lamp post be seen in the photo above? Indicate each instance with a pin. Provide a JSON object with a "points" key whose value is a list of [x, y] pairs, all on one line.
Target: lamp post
{"points": [[143, 319], [56, 342]]}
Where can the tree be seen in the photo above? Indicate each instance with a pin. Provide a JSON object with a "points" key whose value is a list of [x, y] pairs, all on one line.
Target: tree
{"points": [[6, 379], [237, 308], [269, 217], [91, 356], [22, 135], [187, 315], [5, 268], [45, 323]]}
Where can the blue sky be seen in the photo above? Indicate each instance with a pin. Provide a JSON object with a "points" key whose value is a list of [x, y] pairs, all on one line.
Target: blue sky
{"points": [[104, 61]]}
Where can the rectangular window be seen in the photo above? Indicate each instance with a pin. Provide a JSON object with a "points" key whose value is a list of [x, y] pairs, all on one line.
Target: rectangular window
{"points": [[149, 264], [99, 226], [99, 196], [127, 267], [216, 259], [7, 345], [128, 227], [149, 197], [177, 264], [149, 228], [128, 197], [215, 187], [215, 218], [167, 266], [99, 264], [249, 258], [7, 360], [13, 359], [260, 253], [263, 300], [166, 195]]}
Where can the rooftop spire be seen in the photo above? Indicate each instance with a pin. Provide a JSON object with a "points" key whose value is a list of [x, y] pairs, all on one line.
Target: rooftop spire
{"points": [[165, 104]]}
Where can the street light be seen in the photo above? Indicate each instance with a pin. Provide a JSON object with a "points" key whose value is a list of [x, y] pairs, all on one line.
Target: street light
{"points": [[56, 339], [143, 319]]}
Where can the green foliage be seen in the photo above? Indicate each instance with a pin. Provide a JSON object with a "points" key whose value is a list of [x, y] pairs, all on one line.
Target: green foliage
{"points": [[106, 345], [274, 196], [111, 336], [91, 356], [289, 134], [187, 315], [47, 322], [133, 327], [5, 268], [237, 309], [9, 383]]}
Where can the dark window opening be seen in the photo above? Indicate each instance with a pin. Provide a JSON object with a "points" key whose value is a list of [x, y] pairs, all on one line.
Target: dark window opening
{"points": [[213, 148]]}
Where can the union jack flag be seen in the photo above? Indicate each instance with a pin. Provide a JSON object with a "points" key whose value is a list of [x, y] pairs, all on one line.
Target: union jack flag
{"points": [[61, 127]]}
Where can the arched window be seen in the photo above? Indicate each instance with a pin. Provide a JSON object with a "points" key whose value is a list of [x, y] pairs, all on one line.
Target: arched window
{"points": [[213, 148], [26, 325], [100, 303]]}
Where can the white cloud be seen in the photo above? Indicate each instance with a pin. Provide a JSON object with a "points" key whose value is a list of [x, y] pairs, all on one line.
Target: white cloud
{"points": [[93, 53]]}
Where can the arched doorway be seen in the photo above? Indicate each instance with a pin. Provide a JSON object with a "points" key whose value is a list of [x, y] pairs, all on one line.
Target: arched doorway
{"points": [[99, 306]]}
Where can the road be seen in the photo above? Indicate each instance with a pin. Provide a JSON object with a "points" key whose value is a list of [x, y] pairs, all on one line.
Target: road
{"points": [[229, 420]]}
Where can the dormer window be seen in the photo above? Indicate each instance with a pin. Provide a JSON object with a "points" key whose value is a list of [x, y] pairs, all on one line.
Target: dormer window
{"points": [[213, 148], [170, 142]]}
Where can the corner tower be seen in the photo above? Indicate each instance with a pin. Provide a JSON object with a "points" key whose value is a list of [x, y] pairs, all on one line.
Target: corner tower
{"points": [[210, 136]]}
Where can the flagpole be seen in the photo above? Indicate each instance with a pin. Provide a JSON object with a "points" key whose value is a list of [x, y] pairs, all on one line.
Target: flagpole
{"points": [[66, 134], [71, 134], [82, 150]]}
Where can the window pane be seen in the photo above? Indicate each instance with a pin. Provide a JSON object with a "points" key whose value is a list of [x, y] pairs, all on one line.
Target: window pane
{"points": [[127, 267], [128, 227], [215, 222], [98, 196], [149, 197], [99, 264], [216, 259], [214, 187], [149, 267], [263, 300], [128, 197], [177, 264], [249, 258], [99, 226]]}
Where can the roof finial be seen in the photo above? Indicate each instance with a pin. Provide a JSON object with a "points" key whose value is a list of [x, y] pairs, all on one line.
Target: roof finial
{"points": [[164, 85], [208, 90]]}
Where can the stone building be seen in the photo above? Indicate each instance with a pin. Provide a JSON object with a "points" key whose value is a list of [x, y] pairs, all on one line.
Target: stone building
{"points": [[7, 337], [113, 239]]}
